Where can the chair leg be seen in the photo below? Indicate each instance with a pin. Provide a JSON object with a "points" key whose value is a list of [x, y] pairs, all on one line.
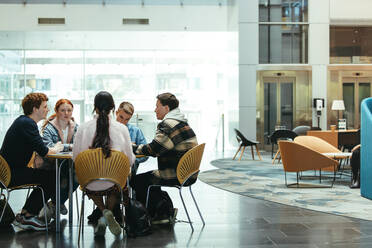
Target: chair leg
{"points": [[148, 195], [6, 202], [237, 151], [81, 223], [184, 206], [258, 152], [45, 206], [197, 207], [241, 155], [276, 155], [252, 152], [121, 206], [77, 205]]}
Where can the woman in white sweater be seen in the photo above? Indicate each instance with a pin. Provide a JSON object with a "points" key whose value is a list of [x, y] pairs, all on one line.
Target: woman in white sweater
{"points": [[104, 132]]}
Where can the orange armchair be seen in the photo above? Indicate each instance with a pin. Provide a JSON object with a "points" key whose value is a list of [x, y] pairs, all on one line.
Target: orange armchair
{"points": [[297, 157]]}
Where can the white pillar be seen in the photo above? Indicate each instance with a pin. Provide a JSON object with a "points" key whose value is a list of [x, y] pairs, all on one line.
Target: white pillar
{"points": [[248, 61], [319, 53]]}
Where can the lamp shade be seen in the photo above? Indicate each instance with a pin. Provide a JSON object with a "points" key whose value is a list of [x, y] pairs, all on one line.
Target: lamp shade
{"points": [[338, 105]]}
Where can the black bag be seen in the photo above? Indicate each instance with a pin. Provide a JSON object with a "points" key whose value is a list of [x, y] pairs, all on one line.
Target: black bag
{"points": [[164, 206], [137, 220], [8, 216]]}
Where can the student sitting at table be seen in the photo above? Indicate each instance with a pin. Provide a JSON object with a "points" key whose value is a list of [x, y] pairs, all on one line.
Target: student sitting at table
{"points": [[59, 127], [123, 115], [103, 132], [21, 140]]}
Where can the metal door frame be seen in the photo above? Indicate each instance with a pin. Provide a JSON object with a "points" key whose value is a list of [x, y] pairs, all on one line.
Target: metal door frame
{"points": [[276, 80], [356, 81]]}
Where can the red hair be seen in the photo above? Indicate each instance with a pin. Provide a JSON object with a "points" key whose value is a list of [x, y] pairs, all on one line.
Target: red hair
{"points": [[56, 107]]}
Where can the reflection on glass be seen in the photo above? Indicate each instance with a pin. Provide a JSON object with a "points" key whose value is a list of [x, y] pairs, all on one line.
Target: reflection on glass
{"points": [[364, 92], [348, 96], [270, 108], [286, 105], [283, 11], [204, 80], [283, 44], [350, 45]]}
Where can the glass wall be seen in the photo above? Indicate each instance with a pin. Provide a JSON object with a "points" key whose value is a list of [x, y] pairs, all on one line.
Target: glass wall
{"points": [[283, 32], [350, 45], [206, 83]]}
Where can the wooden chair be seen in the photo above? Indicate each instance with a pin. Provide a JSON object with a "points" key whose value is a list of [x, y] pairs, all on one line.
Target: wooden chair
{"points": [[188, 167], [244, 142], [92, 166], [297, 158], [5, 176]]}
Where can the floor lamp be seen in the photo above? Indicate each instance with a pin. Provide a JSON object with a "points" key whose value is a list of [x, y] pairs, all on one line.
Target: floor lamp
{"points": [[338, 105]]}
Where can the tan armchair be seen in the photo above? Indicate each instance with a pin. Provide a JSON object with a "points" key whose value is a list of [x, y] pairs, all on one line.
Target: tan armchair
{"points": [[297, 158], [319, 145]]}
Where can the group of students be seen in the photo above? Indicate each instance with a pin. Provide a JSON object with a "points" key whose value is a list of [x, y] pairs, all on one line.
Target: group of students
{"points": [[24, 142]]}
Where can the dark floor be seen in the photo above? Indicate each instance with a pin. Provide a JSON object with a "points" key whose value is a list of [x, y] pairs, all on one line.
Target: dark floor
{"points": [[231, 221]]}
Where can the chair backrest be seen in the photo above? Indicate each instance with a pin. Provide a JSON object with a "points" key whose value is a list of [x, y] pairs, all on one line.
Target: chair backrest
{"points": [[5, 174], [190, 163], [244, 140], [297, 157], [91, 165], [283, 134], [348, 140], [301, 130], [316, 144]]}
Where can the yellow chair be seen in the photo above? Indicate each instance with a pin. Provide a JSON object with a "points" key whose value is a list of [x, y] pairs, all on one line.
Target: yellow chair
{"points": [[5, 176], [188, 167], [92, 166], [297, 158]]}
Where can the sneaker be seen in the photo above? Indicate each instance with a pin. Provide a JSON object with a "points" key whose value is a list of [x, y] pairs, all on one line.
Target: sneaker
{"points": [[111, 222], [100, 228], [29, 223], [94, 216]]}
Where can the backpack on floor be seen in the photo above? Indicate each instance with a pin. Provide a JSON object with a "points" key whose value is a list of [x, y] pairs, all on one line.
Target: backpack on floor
{"points": [[8, 216], [137, 219], [164, 206]]}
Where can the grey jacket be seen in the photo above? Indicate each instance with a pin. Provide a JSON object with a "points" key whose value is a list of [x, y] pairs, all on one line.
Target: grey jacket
{"points": [[51, 135]]}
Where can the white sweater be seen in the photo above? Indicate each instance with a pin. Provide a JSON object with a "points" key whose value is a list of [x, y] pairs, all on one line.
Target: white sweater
{"points": [[119, 135]]}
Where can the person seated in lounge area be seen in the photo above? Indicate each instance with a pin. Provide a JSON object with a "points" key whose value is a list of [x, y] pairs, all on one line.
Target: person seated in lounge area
{"points": [[123, 115], [21, 140], [103, 132], [174, 137], [59, 127], [355, 167]]}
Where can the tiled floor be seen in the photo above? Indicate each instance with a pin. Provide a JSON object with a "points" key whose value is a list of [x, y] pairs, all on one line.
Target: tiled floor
{"points": [[231, 221]]}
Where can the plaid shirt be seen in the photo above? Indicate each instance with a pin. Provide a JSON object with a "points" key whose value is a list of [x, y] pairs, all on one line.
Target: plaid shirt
{"points": [[173, 139]]}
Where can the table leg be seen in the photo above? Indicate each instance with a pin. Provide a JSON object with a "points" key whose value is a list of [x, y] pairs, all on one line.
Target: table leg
{"points": [[58, 197], [70, 196]]}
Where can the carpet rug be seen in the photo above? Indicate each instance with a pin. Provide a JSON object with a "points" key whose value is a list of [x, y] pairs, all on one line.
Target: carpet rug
{"points": [[263, 180]]}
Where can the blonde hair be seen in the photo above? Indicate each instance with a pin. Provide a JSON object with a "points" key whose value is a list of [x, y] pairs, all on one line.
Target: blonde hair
{"points": [[127, 107]]}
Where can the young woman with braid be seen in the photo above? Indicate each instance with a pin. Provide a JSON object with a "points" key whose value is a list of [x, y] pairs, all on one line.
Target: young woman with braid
{"points": [[106, 133]]}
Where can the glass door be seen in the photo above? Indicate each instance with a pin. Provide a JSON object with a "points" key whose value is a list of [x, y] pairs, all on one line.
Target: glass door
{"points": [[278, 104], [354, 90]]}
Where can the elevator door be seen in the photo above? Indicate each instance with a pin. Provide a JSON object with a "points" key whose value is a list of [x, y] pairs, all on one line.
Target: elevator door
{"points": [[354, 90], [278, 104]]}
